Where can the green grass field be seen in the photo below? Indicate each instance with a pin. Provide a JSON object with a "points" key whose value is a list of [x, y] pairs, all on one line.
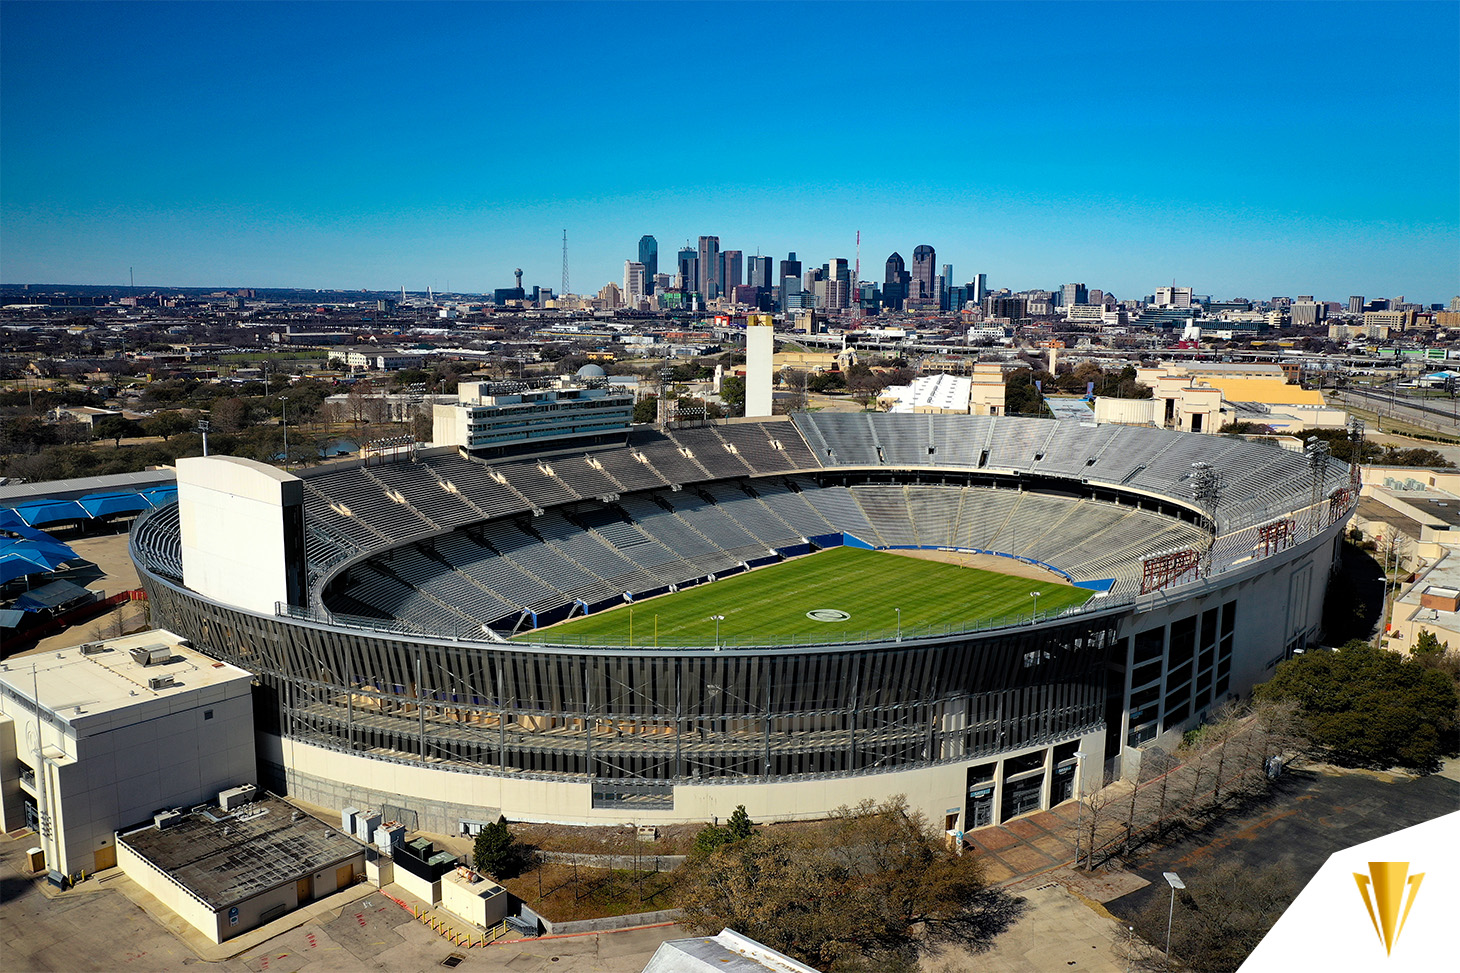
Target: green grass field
{"points": [[770, 604]]}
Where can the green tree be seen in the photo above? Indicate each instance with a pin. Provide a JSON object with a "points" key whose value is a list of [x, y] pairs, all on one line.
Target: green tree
{"points": [[167, 424], [1426, 643], [739, 827], [732, 393], [1370, 707], [112, 427], [823, 382], [646, 409], [494, 852]]}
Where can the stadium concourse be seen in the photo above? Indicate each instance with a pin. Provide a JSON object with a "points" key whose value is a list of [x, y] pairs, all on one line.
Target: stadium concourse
{"points": [[398, 614]]}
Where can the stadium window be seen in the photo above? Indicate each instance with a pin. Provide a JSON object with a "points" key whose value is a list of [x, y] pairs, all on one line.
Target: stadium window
{"points": [[1149, 645]]}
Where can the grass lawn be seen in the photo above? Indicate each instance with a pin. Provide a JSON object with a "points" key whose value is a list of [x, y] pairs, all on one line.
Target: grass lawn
{"points": [[771, 603]]}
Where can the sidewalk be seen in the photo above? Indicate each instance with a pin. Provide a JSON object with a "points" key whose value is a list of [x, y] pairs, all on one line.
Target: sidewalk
{"points": [[1026, 846]]}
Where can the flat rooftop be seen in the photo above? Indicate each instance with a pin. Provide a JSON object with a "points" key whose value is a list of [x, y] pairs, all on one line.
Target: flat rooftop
{"points": [[1376, 511], [87, 690], [1446, 511], [224, 857]]}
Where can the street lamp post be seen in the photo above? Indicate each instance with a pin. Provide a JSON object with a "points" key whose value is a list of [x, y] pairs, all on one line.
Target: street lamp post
{"points": [[203, 427], [718, 619], [1173, 880], [1080, 801], [1130, 932], [899, 623], [284, 415], [1034, 615]]}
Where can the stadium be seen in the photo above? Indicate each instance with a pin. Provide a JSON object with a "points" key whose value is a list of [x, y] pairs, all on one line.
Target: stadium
{"points": [[984, 613]]}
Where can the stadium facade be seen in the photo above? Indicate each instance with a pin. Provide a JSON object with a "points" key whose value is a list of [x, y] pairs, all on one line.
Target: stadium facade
{"points": [[374, 603]]}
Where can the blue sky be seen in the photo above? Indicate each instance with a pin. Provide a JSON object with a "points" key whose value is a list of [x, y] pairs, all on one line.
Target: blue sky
{"points": [[1245, 149]]}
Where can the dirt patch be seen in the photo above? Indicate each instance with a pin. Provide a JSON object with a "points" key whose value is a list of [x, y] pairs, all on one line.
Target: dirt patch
{"points": [[564, 893], [987, 562]]}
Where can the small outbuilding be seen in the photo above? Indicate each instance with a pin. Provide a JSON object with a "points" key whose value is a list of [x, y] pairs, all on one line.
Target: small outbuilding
{"points": [[227, 871]]}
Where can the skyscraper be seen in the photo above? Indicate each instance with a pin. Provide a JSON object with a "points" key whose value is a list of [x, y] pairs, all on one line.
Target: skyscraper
{"points": [[760, 272], [708, 283], [1075, 294], [730, 270], [894, 283], [981, 287], [649, 257], [688, 269], [635, 285], [790, 279], [924, 287], [1356, 304]]}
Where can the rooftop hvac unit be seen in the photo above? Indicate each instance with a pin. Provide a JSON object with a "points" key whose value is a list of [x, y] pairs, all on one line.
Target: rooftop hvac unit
{"points": [[235, 797], [161, 682], [151, 655], [92, 648], [166, 819]]}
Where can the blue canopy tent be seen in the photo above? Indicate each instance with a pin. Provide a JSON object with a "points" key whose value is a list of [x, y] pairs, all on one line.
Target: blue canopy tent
{"points": [[49, 552], [102, 504], [14, 564], [160, 496], [50, 512]]}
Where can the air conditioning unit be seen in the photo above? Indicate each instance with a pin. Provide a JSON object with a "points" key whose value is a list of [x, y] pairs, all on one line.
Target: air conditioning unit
{"points": [[152, 655], [234, 797], [166, 819], [92, 648], [161, 682]]}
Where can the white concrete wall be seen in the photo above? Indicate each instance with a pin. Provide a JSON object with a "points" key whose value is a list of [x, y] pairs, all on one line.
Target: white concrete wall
{"points": [[932, 790], [193, 911], [428, 892], [760, 349], [232, 527], [12, 810]]}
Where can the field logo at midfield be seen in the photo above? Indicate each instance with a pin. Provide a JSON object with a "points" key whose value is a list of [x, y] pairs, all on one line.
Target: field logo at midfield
{"points": [[1389, 884], [828, 615]]}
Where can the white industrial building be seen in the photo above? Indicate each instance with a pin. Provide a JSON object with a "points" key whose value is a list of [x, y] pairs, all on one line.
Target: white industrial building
{"points": [[123, 728]]}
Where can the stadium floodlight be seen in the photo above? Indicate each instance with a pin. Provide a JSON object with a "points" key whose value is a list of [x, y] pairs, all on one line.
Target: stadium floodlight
{"points": [[1173, 880], [718, 619], [1034, 616], [899, 623]]}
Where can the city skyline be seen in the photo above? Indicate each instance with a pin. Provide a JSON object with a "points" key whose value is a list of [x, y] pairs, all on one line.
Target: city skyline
{"points": [[276, 146]]}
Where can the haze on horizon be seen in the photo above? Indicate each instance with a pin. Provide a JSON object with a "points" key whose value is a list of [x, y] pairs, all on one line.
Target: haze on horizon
{"points": [[1241, 149]]}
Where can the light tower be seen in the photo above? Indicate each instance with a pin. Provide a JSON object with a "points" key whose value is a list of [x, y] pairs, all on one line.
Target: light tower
{"points": [[565, 265], [1317, 451], [1206, 490]]}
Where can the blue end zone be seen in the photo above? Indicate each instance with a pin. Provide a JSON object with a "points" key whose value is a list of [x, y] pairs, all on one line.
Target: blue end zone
{"points": [[1104, 585]]}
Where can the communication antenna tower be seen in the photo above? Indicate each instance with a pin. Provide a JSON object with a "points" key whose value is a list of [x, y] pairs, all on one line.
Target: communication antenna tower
{"points": [[565, 263]]}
